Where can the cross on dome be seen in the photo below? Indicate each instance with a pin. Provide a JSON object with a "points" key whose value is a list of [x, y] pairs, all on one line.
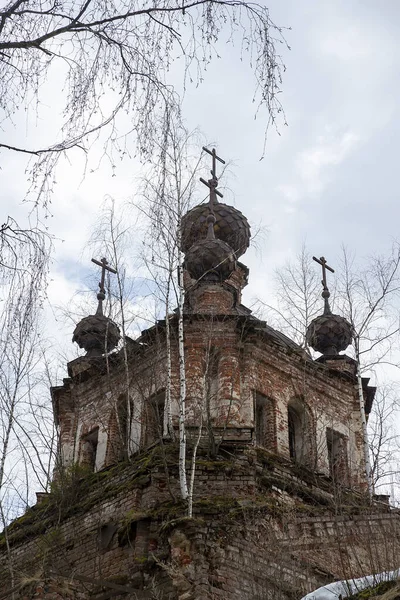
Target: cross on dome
{"points": [[212, 184], [325, 292], [103, 263]]}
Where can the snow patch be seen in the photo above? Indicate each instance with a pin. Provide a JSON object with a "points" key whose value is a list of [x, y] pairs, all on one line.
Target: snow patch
{"points": [[347, 587]]}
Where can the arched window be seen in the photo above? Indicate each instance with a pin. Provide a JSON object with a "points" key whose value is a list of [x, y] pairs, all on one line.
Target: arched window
{"points": [[300, 433], [89, 444], [119, 430], [265, 422], [124, 417], [155, 407]]}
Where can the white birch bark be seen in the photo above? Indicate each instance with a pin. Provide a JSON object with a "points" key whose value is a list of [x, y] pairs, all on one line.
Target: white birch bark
{"points": [[168, 428], [193, 469], [182, 380], [363, 420]]}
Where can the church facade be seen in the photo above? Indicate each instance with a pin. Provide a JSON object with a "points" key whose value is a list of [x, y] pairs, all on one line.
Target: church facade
{"points": [[280, 494]]}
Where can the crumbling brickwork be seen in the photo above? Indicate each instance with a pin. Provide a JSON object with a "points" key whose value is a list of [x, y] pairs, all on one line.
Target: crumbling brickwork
{"points": [[231, 360], [279, 491], [260, 530]]}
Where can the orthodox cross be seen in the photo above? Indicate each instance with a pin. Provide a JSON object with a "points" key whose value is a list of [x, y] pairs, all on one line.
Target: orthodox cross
{"points": [[103, 263], [322, 261], [212, 184], [325, 292]]}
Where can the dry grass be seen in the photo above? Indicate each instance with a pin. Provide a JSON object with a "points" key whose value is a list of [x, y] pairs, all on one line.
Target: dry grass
{"points": [[393, 594]]}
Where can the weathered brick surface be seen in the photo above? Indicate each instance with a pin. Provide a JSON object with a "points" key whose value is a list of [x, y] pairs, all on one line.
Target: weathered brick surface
{"points": [[249, 538], [254, 533], [247, 360]]}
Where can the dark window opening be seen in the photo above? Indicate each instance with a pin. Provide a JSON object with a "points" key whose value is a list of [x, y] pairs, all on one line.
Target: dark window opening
{"points": [[155, 417], [127, 535], [296, 434], [124, 417], [300, 433], [105, 535], [260, 425], [292, 434], [265, 426]]}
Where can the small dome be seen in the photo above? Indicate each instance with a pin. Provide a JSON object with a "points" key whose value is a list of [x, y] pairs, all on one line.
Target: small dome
{"points": [[231, 226], [212, 257], [96, 334], [329, 334]]}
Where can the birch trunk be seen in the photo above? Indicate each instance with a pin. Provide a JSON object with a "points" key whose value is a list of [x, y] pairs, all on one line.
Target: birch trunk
{"points": [[363, 421], [193, 470], [168, 428], [182, 379]]}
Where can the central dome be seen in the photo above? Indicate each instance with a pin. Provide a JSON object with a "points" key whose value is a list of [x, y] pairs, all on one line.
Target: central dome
{"points": [[231, 226], [210, 258]]}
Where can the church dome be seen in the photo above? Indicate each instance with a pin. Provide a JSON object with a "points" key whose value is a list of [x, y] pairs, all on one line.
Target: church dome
{"points": [[212, 258], [329, 334], [231, 226], [97, 334]]}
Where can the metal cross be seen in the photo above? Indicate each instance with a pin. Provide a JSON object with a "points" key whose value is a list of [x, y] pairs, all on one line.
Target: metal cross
{"points": [[322, 261], [213, 182], [214, 158], [103, 263]]}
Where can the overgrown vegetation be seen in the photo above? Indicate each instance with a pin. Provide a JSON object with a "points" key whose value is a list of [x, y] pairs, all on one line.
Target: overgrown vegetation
{"points": [[388, 590]]}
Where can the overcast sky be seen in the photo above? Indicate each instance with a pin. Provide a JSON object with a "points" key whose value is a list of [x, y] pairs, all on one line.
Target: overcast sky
{"points": [[330, 177]]}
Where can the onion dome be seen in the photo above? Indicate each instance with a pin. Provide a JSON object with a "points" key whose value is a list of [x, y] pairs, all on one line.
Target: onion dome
{"points": [[231, 226], [328, 333], [210, 259], [96, 333]]}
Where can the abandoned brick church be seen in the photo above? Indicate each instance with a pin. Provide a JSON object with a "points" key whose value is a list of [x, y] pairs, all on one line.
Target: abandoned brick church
{"points": [[280, 496]]}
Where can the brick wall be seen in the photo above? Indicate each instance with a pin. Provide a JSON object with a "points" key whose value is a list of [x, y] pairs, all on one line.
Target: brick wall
{"points": [[253, 535]]}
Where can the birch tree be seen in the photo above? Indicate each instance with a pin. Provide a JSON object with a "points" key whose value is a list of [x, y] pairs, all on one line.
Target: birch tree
{"points": [[115, 59], [367, 294], [370, 300], [27, 434], [168, 194], [298, 297], [112, 236]]}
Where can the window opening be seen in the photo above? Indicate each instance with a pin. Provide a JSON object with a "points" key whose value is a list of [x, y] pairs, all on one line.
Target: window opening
{"points": [[292, 434], [105, 535], [155, 417], [300, 433], [260, 429], [123, 425], [337, 455], [89, 448], [264, 416]]}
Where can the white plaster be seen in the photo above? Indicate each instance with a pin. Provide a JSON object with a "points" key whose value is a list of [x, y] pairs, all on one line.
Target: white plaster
{"points": [[67, 454], [101, 450], [136, 426], [77, 439], [282, 437]]}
